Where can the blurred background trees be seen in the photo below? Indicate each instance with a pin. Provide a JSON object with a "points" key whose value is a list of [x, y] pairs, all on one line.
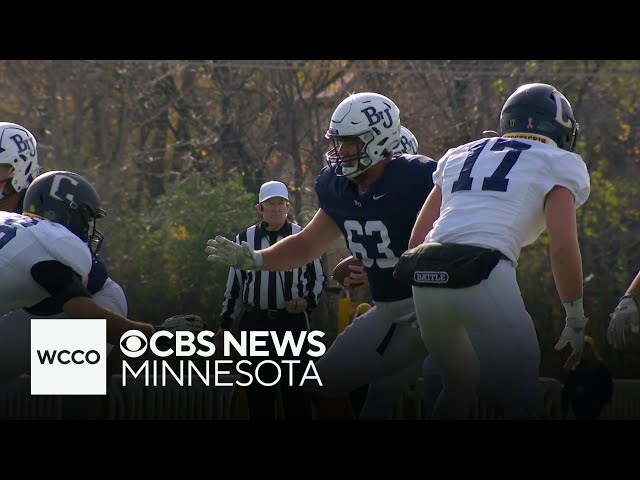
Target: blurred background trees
{"points": [[178, 150]]}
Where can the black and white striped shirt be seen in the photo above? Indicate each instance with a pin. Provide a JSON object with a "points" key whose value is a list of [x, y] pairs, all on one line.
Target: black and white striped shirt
{"points": [[270, 290]]}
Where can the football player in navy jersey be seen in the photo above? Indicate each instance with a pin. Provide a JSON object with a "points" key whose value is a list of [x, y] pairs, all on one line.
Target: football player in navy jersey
{"points": [[18, 165], [370, 195], [382, 395], [408, 142], [409, 145]]}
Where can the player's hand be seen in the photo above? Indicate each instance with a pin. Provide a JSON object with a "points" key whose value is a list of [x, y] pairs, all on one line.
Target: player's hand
{"points": [[357, 278], [573, 334], [230, 253], [626, 313]]}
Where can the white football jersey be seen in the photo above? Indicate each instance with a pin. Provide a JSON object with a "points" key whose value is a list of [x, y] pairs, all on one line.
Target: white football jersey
{"points": [[493, 191], [25, 241]]}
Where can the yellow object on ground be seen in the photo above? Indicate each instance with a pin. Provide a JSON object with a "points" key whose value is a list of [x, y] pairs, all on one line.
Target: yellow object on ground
{"points": [[344, 311]]}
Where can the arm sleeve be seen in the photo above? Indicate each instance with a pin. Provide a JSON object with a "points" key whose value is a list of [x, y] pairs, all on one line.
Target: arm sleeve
{"points": [[59, 280], [98, 274]]}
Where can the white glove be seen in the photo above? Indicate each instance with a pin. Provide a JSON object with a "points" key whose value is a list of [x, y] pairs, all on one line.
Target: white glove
{"points": [[626, 313], [230, 253], [573, 333]]}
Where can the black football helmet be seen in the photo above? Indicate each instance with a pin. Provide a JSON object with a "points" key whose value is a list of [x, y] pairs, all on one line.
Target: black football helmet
{"points": [[541, 109], [70, 200]]}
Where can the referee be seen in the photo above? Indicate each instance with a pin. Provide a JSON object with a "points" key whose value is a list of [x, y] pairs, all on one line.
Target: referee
{"points": [[273, 301]]}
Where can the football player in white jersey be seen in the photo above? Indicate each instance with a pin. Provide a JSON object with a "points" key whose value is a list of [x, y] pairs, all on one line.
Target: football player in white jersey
{"points": [[492, 197], [47, 253], [18, 167]]}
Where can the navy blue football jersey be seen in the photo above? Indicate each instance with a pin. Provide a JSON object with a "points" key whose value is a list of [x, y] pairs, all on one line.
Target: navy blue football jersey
{"points": [[377, 224]]}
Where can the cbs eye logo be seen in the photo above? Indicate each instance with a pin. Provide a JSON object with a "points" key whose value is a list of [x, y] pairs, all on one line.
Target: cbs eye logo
{"points": [[133, 343]]}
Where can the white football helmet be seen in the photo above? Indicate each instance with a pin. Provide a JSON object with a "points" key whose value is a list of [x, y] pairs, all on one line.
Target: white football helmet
{"points": [[18, 148], [408, 142], [371, 117]]}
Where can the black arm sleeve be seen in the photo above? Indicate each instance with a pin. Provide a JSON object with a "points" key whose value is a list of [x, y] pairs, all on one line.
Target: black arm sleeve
{"points": [[45, 308], [98, 274], [59, 280]]}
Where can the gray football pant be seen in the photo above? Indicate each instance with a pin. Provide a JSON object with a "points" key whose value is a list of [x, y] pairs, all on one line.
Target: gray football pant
{"points": [[355, 359], [484, 342]]}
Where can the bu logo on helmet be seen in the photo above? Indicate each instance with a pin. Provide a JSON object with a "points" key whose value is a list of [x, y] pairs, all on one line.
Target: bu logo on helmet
{"points": [[24, 144], [374, 117]]}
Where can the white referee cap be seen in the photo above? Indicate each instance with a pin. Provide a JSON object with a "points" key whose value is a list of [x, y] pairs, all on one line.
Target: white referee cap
{"points": [[273, 189]]}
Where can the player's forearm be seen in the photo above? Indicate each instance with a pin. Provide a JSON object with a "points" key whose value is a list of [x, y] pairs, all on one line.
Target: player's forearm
{"points": [[566, 265], [428, 214], [634, 288], [289, 253], [303, 247], [564, 250], [422, 226], [117, 325]]}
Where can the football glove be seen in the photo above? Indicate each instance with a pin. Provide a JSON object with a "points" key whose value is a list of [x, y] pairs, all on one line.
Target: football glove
{"points": [[626, 313], [573, 333], [230, 253]]}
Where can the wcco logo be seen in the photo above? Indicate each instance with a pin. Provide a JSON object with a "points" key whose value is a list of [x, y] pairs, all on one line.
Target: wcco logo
{"points": [[65, 357], [68, 357]]}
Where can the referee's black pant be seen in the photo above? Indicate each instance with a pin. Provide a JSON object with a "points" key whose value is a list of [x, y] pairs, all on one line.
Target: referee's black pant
{"points": [[261, 398]]}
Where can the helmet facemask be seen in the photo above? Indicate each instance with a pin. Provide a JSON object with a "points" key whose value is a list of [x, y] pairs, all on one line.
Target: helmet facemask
{"points": [[574, 136], [356, 163], [6, 182], [93, 236]]}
